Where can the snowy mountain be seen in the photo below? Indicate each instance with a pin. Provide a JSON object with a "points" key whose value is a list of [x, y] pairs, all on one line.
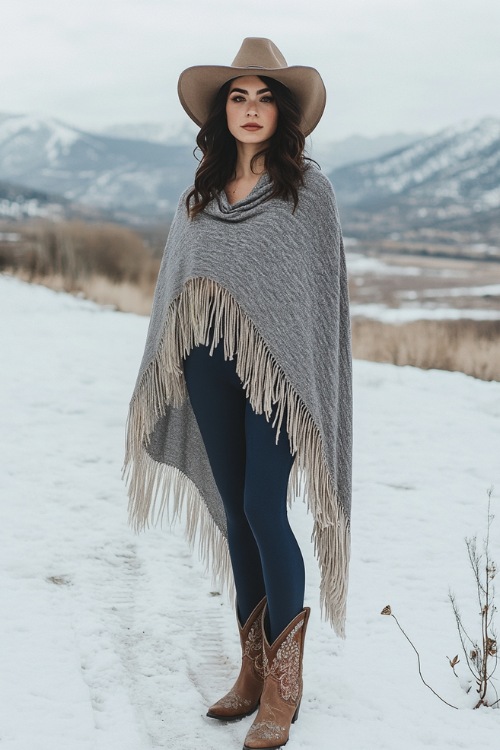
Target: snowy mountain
{"points": [[18, 203], [169, 133], [450, 179], [357, 148], [330, 154], [132, 175]]}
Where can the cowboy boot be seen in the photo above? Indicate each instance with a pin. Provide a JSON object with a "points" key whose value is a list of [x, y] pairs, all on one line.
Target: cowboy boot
{"points": [[280, 699], [243, 698]]}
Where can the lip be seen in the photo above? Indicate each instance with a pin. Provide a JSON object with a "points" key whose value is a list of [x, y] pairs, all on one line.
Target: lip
{"points": [[252, 127]]}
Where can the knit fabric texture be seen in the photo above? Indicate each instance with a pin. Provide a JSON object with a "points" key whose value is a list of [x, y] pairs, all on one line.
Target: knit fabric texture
{"points": [[274, 285]]}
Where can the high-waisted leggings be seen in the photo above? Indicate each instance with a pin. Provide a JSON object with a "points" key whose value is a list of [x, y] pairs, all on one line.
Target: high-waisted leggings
{"points": [[251, 471]]}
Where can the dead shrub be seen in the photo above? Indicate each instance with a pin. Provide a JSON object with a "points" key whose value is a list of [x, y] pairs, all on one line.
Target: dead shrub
{"points": [[469, 346], [74, 251]]}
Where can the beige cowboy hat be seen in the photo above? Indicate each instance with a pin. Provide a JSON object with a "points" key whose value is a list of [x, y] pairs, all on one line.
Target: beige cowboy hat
{"points": [[199, 84]]}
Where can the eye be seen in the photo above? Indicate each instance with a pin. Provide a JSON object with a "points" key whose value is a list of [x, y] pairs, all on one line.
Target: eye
{"points": [[268, 98], [235, 98]]}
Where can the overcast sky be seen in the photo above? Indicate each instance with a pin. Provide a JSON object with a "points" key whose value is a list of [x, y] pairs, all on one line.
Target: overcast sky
{"points": [[388, 65]]}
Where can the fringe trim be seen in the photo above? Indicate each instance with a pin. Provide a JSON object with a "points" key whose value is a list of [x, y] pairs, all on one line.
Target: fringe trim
{"points": [[185, 499], [189, 318]]}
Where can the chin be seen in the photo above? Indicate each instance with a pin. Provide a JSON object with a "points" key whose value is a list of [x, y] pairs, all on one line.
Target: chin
{"points": [[252, 137]]}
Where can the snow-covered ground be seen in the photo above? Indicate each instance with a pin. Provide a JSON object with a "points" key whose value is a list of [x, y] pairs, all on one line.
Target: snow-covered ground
{"points": [[418, 311], [368, 274], [116, 641]]}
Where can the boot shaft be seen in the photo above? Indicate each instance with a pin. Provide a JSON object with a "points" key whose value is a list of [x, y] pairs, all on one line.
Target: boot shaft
{"points": [[280, 700], [282, 661]]}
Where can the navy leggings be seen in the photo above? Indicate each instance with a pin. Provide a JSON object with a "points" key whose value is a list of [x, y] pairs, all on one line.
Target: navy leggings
{"points": [[251, 472]]}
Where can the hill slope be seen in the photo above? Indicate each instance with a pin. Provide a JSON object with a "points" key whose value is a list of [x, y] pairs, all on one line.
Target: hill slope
{"points": [[450, 180], [96, 170]]}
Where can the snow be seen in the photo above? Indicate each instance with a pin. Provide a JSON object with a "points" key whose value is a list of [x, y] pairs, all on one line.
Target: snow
{"points": [[408, 312], [492, 197], [442, 169], [11, 125], [466, 138], [172, 131], [60, 141], [30, 207], [464, 291], [360, 264], [120, 641], [58, 137], [429, 304]]}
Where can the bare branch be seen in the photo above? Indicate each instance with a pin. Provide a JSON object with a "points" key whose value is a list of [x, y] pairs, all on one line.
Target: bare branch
{"points": [[418, 659], [461, 633], [482, 654]]}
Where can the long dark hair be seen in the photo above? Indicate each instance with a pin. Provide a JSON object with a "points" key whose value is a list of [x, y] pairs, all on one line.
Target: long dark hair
{"points": [[284, 157]]}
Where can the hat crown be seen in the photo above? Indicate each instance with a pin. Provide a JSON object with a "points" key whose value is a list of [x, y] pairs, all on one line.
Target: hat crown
{"points": [[258, 52]]}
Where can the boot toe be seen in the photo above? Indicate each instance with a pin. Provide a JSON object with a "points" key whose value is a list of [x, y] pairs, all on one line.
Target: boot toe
{"points": [[232, 707], [266, 735]]}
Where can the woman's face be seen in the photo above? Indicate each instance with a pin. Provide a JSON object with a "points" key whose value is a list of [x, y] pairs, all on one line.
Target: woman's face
{"points": [[251, 111]]}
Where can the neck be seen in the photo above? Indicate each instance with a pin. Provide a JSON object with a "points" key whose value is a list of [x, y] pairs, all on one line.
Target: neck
{"points": [[245, 152]]}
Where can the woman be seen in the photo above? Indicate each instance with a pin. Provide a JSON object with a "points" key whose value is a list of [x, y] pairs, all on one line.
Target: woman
{"points": [[245, 383]]}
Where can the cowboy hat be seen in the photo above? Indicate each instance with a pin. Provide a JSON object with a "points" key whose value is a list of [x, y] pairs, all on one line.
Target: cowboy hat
{"points": [[199, 84]]}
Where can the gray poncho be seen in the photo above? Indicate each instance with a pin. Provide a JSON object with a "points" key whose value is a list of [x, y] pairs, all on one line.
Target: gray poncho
{"points": [[275, 285]]}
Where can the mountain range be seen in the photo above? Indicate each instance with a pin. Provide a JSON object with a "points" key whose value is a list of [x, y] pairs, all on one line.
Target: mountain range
{"points": [[136, 177], [448, 180], [329, 154]]}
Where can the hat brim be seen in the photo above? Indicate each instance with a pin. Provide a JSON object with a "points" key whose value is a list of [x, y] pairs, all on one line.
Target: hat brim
{"points": [[199, 84]]}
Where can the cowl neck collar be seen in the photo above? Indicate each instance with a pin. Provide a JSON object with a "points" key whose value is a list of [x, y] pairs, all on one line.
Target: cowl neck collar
{"points": [[220, 208]]}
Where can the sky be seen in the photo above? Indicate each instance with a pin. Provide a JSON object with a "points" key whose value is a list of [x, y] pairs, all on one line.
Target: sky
{"points": [[388, 65]]}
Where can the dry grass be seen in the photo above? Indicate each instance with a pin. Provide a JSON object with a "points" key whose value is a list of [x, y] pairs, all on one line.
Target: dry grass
{"points": [[468, 346], [113, 265], [107, 263], [124, 296], [75, 251]]}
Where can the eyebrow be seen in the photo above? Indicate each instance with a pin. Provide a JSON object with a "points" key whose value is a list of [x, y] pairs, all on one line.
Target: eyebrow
{"points": [[243, 91]]}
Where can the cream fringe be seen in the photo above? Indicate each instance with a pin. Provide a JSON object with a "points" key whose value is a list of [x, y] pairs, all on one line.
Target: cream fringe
{"points": [[189, 318]]}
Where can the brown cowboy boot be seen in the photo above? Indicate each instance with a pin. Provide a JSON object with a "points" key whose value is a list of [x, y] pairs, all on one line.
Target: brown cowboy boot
{"points": [[243, 698], [280, 700]]}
